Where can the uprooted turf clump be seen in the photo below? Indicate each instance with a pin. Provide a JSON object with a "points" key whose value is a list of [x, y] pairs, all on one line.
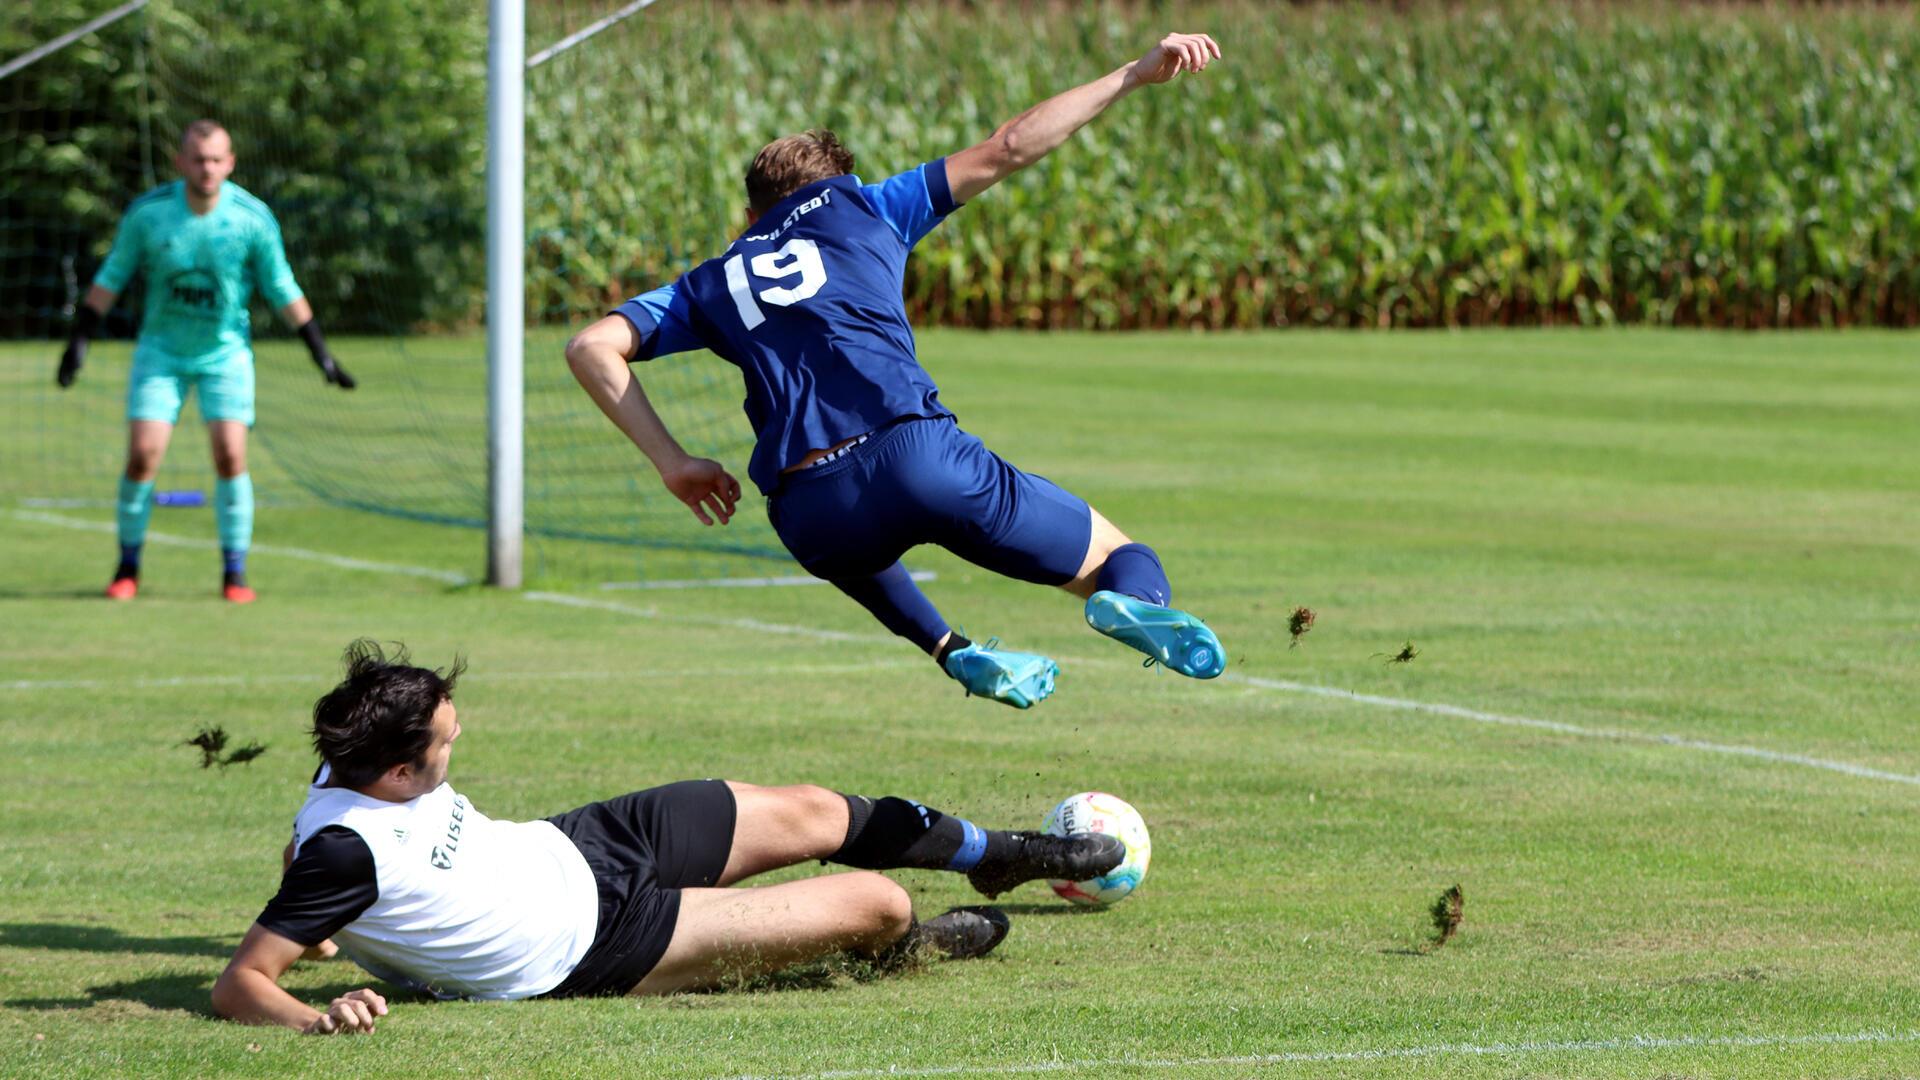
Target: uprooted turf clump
{"points": [[1298, 624], [211, 742], [1447, 911]]}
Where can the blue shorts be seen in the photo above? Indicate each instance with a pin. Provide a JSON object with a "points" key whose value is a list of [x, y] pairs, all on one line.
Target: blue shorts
{"points": [[924, 481], [161, 383]]}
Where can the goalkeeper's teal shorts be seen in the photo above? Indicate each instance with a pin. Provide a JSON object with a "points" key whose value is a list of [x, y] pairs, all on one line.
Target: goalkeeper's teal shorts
{"points": [[161, 382]]}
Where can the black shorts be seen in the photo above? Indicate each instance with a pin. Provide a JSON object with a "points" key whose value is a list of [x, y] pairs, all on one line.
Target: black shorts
{"points": [[644, 847]]}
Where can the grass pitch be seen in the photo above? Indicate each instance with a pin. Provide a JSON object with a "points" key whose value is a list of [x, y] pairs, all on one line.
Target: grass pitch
{"points": [[1676, 547]]}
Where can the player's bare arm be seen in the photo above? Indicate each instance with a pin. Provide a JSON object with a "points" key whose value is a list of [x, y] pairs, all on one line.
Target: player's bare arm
{"points": [[249, 991], [1040, 130], [598, 357]]}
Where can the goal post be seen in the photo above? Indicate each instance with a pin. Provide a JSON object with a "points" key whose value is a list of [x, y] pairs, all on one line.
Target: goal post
{"points": [[506, 289]]}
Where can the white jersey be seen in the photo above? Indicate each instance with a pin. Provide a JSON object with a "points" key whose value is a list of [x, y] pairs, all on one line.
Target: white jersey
{"points": [[467, 906]]}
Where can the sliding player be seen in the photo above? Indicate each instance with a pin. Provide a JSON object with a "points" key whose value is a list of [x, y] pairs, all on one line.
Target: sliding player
{"points": [[858, 458], [627, 896], [204, 244]]}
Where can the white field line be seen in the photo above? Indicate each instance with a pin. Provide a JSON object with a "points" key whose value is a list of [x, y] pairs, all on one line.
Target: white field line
{"points": [[781, 581], [1285, 686], [343, 562], [1561, 728], [1431, 1050], [788, 629], [1278, 685]]}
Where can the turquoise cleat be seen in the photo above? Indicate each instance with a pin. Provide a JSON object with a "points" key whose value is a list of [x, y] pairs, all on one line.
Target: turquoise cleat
{"points": [[1167, 635], [1021, 680]]}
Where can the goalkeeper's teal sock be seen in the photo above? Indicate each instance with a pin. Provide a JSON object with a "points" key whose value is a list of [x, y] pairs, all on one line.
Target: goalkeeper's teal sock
{"points": [[131, 511], [233, 513]]}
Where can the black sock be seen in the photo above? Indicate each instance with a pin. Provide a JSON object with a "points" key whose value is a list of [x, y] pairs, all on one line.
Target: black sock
{"points": [[954, 643], [891, 833], [233, 577]]}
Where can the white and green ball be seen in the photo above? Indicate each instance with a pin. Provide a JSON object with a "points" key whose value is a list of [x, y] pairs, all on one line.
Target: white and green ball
{"points": [[1099, 812]]}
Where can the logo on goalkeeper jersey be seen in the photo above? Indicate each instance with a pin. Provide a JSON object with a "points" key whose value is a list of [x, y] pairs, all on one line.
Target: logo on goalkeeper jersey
{"points": [[196, 290]]}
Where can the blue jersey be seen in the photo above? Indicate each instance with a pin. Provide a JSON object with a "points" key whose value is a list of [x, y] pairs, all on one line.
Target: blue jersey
{"points": [[807, 304]]}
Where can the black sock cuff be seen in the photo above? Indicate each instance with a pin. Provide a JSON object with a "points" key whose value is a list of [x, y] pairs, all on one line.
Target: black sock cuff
{"points": [[859, 811], [954, 643]]}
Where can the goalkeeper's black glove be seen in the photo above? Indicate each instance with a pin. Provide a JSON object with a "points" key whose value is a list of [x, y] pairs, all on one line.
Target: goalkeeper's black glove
{"points": [[322, 359], [85, 322]]}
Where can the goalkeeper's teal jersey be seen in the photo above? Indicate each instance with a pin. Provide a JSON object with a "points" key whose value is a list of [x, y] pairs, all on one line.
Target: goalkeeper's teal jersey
{"points": [[201, 269]]}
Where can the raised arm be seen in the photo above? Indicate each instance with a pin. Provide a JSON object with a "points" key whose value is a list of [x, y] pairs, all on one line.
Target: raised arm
{"points": [[1040, 130], [249, 991]]}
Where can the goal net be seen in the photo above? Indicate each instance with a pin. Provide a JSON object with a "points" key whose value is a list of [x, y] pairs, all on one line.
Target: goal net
{"points": [[364, 130]]}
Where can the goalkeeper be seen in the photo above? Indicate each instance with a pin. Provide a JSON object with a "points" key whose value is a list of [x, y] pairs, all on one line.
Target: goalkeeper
{"points": [[203, 244], [858, 458]]}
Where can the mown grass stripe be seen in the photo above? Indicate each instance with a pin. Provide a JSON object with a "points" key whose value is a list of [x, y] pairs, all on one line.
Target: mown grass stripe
{"points": [[1539, 1046]]}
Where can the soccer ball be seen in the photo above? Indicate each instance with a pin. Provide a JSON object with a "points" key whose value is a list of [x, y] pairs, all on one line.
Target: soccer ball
{"points": [[1097, 811]]}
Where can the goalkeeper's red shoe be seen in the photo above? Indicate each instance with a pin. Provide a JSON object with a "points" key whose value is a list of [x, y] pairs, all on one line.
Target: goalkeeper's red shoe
{"points": [[123, 588], [238, 594]]}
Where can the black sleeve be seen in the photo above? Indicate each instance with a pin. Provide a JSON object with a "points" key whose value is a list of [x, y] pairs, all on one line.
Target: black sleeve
{"points": [[330, 883]]}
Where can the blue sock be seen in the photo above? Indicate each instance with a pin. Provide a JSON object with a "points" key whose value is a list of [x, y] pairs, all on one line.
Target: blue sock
{"points": [[233, 514], [1134, 570], [899, 605], [130, 557], [131, 511], [235, 561]]}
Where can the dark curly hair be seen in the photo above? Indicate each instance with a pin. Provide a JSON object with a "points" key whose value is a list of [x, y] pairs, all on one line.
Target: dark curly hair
{"points": [[381, 714]]}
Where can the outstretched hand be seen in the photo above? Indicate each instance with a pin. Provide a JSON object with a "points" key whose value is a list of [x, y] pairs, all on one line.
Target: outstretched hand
{"points": [[70, 362], [1176, 53], [350, 1014], [331, 370], [705, 485]]}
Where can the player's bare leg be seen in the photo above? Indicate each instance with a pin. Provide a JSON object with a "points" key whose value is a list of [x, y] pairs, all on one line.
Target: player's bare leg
{"points": [[1105, 538], [726, 934], [147, 442], [232, 505], [782, 826], [1129, 600], [146, 448]]}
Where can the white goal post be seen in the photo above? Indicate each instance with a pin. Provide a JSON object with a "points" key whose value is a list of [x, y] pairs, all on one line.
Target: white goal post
{"points": [[507, 65]]}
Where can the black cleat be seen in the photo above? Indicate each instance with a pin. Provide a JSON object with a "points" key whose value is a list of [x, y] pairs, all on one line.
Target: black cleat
{"points": [[963, 933], [1059, 858]]}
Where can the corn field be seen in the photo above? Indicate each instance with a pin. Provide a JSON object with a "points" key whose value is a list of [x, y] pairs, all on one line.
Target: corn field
{"points": [[1346, 165]]}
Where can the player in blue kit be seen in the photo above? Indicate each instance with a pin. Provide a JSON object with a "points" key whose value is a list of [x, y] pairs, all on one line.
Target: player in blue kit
{"points": [[204, 244], [858, 458]]}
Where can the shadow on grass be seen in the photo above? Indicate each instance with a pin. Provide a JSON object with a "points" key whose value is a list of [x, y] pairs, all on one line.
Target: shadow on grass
{"points": [[175, 993], [1060, 908], [184, 993], [105, 939], [51, 592]]}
